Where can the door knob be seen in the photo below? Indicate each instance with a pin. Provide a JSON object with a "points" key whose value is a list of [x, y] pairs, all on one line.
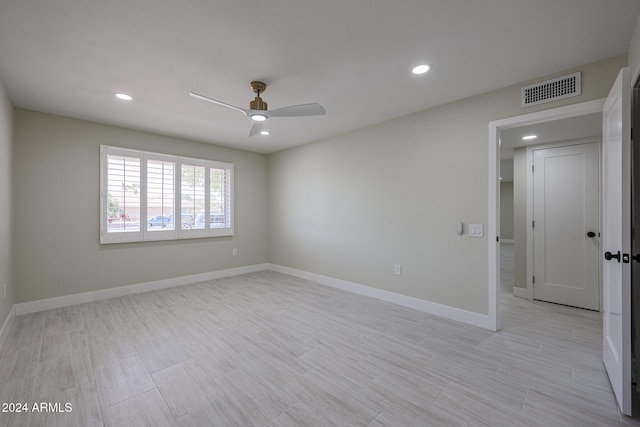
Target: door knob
{"points": [[609, 256], [635, 258], [591, 234]]}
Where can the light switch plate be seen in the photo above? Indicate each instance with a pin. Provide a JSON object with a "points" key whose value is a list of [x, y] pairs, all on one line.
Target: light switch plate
{"points": [[476, 230]]}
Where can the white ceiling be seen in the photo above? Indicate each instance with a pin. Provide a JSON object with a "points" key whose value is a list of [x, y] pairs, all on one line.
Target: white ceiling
{"points": [[588, 126], [573, 128], [354, 57]]}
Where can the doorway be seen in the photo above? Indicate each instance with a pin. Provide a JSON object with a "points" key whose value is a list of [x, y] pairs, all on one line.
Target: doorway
{"points": [[500, 132]]}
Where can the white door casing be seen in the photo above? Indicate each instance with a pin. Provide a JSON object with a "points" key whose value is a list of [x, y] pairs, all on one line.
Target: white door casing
{"points": [[616, 237], [566, 205]]}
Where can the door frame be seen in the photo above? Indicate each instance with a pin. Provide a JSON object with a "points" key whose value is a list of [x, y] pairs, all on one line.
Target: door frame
{"points": [[493, 226]]}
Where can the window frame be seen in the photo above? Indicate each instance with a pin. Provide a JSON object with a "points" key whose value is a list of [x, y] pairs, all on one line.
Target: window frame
{"points": [[143, 234]]}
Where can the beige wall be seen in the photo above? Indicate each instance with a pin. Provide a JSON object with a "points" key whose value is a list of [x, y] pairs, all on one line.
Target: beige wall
{"points": [[634, 52], [348, 207], [6, 139], [352, 206], [56, 221], [520, 216], [506, 210]]}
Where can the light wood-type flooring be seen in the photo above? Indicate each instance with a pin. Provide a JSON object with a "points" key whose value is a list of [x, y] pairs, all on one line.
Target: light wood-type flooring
{"points": [[267, 349]]}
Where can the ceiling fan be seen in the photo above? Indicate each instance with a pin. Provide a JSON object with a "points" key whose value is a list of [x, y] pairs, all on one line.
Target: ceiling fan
{"points": [[258, 109]]}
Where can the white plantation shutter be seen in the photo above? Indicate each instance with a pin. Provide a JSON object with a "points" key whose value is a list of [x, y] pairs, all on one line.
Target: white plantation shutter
{"points": [[151, 196], [192, 194], [121, 195], [161, 196], [220, 197]]}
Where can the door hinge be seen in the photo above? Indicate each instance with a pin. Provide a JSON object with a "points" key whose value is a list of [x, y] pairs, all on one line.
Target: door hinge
{"points": [[533, 224], [533, 279], [532, 167]]}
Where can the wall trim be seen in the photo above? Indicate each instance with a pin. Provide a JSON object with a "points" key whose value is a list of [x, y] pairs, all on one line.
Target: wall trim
{"points": [[6, 326], [67, 300], [521, 293], [448, 312], [452, 313]]}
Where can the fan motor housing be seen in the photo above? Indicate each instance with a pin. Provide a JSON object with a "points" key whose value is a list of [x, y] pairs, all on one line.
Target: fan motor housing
{"points": [[258, 104]]}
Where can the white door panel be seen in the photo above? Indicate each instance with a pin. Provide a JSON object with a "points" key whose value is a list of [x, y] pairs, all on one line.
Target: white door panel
{"points": [[566, 208], [616, 237]]}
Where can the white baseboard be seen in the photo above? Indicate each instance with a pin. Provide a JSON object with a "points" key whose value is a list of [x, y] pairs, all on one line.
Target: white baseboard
{"points": [[6, 326], [464, 316], [445, 311], [508, 241], [521, 292], [67, 300]]}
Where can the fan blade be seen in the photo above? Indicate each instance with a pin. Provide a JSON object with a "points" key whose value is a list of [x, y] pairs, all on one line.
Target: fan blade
{"points": [[256, 129], [298, 111], [213, 101]]}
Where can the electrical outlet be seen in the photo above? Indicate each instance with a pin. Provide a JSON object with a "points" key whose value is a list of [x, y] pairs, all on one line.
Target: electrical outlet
{"points": [[235, 251], [397, 269]]}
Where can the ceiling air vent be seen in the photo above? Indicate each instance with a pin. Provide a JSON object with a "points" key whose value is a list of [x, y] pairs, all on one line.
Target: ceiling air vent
{"points": [[551, 90]]}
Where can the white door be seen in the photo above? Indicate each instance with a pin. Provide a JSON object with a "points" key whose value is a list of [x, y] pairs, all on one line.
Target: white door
{"points": [[566, 212], [616, 236]]}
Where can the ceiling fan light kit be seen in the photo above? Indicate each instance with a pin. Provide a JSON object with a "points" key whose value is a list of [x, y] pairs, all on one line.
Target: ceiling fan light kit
{"points": [[258, 117], [258, 111]]}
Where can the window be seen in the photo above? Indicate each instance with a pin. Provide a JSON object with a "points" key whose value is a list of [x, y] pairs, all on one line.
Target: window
{"points": [[123, 194], [192, 193], [160, 194], [151, 196]]}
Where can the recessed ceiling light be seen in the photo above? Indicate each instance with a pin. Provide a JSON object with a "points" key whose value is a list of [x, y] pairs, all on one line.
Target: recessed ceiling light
{"points": [[264, 132], [529, 137], [421, 69], [123, 96]]}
